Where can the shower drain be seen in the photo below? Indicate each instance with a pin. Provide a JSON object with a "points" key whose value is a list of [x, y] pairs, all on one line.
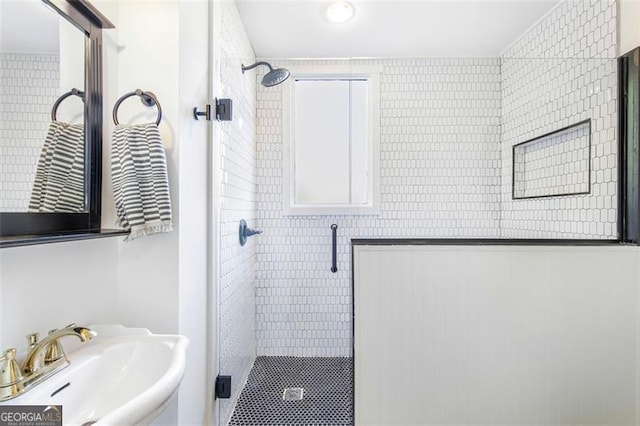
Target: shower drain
{"points": [[292, 394]]}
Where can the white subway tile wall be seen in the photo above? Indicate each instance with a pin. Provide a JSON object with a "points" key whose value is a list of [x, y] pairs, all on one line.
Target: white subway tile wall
{"points": [[447, 131], [237, 344], [439, 177], [559, 73], [24, 120]]}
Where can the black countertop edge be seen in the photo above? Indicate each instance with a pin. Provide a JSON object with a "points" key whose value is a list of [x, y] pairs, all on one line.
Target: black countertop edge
{"points": [[481, 242], [29, 240]]}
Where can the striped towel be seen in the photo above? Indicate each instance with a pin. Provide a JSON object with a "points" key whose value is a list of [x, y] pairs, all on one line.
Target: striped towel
{"points": [[140, 181], [59, 182]]}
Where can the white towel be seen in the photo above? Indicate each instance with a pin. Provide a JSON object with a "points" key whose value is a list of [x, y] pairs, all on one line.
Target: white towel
{"points": [[140, 181], [59, 182]]}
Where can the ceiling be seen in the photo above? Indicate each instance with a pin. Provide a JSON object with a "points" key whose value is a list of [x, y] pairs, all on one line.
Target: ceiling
{"points": [[27, 26], [389, 28]]}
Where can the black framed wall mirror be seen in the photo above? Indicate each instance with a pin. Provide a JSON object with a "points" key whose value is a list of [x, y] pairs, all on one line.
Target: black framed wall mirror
{"points": [[50, 118]]}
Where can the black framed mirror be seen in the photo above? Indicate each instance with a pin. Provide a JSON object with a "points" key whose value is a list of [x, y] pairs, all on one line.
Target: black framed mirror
{"points": [[81, 20]]}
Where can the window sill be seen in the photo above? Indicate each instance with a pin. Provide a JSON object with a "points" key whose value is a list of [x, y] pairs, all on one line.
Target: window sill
{"points": [[337, 210]]}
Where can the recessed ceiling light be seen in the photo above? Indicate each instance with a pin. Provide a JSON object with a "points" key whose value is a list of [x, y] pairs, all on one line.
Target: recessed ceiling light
{"points": [[340, 12]]}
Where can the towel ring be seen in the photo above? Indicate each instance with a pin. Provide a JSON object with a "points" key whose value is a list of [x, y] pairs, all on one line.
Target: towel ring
{"points": [[56, 104], [147, 98]]}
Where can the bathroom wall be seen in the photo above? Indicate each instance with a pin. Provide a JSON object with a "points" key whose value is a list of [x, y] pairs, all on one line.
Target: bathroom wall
{"points": [[563, 71], [447, 130], [150, 265], [24, 121], [628, 25], [162, 279], [50, 286], [195, 402], [237, 175], [439, 177], [158, 282], [519, 335]]}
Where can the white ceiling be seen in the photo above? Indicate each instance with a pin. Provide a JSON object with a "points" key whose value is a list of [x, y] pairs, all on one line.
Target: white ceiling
{"points": [[389, 28], [28, 26]]}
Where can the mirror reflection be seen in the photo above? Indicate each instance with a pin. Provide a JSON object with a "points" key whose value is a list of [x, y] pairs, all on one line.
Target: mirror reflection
{"points": [[41, 110]]}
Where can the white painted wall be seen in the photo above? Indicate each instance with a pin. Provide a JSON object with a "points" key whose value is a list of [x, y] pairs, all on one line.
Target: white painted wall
{"points": [[158, 282], [50, 286], [495, 335], [162, 279], [147, 282], [193, 292], [147, 60], [628, 25], [72, 54]]}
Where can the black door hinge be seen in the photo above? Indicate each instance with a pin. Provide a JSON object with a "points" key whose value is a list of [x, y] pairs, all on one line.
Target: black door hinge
{"points": [[223, 387], [224, 109]]}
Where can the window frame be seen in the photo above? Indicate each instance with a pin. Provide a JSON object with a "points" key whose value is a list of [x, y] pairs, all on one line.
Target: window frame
{"points": [[343, 72]]}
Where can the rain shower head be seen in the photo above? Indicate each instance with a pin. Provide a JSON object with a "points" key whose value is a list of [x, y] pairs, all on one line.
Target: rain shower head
{"points": [[273, 77]]}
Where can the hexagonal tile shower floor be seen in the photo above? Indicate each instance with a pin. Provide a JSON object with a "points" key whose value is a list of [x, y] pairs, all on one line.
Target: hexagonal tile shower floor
{"points": [[272, 394]]}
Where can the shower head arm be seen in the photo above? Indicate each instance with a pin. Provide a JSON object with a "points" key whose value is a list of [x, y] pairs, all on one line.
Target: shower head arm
{"points": [[250, 67]]}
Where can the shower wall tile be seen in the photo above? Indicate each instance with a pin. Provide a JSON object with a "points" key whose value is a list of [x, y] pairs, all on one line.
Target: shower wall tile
{"points": [[563, 71], [24, 121], [439, 177], [237, 165]]}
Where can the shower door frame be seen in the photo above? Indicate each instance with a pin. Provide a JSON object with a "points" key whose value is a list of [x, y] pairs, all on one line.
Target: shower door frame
{"points": [[213, 216]]}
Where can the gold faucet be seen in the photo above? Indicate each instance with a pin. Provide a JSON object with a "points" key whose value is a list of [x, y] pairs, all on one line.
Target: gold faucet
{"points": [[49, 349], [44, 359]]}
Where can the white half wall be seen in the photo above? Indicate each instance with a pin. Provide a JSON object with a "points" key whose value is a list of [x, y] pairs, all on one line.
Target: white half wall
{"points": [[495, 335]]}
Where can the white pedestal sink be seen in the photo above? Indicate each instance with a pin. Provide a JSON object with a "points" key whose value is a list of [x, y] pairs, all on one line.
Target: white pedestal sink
{"points": [[123, 376]]}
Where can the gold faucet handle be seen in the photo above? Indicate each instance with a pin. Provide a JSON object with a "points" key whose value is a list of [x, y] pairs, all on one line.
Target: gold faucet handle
{"points": [[11, 380], [9, 369], [54, 350], [32, 340]]}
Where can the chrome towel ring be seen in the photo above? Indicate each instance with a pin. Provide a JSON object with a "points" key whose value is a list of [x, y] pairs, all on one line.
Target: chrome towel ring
{"points": [[147, 98], [72, 92]]}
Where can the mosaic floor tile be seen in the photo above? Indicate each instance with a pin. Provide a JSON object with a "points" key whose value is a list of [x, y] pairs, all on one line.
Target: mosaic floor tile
{"points": [[327, 397]]}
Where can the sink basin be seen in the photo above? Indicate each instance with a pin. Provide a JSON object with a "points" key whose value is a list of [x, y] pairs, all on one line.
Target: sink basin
{"points": [[123, 376]]}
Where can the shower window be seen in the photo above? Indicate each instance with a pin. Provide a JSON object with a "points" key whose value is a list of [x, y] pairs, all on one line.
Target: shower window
{"points": [[331, 142]]}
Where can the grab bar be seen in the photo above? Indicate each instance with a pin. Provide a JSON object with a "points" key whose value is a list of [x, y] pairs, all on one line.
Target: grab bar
{"points": [[334, 249]]}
